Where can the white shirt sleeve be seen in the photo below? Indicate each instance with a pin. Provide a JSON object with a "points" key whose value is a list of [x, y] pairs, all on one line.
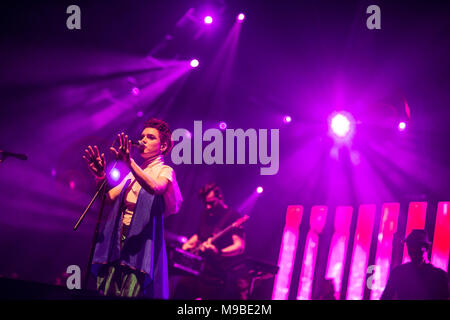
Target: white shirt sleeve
{"points": [[172, 197]]}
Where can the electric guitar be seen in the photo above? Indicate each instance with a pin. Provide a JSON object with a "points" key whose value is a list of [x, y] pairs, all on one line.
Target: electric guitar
{"points": [[196, 250]]}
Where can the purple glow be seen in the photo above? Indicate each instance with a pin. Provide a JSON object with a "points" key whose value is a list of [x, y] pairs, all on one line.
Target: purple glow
{"points": [[402, 126], [140, 114], [115, 174], [53, 172], [72, 184], [340, 125], [259, 189], [208, 20], [222, 125], [135, 91], [194, 63], [287, 119], [241, 17]]}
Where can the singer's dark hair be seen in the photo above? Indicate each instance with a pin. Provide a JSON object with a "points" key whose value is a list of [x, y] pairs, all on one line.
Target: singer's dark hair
{"points": [[207, 188], [164, 132]]}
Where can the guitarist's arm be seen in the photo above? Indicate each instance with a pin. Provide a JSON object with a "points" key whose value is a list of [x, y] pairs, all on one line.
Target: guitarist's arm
{"points": [[191, 243], [236, 248]]}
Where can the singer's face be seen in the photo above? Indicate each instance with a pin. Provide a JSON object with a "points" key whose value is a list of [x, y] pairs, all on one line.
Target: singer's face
{"points": [[150, 138]]}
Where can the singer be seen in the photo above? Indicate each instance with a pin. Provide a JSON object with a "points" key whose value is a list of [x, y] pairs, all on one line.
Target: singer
{"points": [[130, 255]]}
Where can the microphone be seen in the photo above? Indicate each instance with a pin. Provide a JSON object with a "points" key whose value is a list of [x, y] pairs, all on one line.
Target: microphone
{"points": [[20, 156], [138, 143]]}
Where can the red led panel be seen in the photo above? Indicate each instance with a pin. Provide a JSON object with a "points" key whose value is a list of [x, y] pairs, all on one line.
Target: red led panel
{"points": [[389, 218], [361, 248], [338, 246], [287, 253], [417, 213], [441, 241], [317, 223]]}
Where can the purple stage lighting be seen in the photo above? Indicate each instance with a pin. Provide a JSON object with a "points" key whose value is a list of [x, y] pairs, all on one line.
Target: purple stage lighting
{"points": [[340, 125], [140, 114], [402, 126], [115, 174], [208, 20], [222, 125], [287, 119], [259, 189], [241, 17], [194, 63], [135, 91]]}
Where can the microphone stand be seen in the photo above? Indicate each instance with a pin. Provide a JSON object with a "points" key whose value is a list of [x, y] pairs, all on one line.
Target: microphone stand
{"points": [[100, 189]]}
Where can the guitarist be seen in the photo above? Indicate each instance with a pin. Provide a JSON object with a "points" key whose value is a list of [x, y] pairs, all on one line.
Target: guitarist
{"points": [[221, 253]]}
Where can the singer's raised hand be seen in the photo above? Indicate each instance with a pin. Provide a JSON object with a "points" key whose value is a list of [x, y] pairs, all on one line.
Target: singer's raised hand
{"points": [[95, 161], [123, 153]]}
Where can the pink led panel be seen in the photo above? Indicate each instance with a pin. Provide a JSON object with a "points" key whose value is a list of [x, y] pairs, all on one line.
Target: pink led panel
{"points": [[388, 227], [338, 246], [441, 241], [287, 253], [317, 223], [361, 248], [417, 213]]}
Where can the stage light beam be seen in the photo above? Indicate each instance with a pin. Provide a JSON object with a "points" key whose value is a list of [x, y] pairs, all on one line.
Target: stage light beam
{"points": [[194, 63], [115, 174], [208, 20], [340, 125], [222, 125]]}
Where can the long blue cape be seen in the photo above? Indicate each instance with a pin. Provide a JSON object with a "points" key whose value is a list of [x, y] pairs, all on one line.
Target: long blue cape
{"points": [[144, 249]]}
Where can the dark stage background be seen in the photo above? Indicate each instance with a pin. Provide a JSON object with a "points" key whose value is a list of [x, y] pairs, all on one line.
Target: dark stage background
{"points": [[61, 90]]}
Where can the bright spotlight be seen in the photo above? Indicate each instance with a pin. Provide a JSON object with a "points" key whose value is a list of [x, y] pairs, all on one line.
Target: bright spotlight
{"points": [[222, 125], [287, 119], [135, 91], [194, 63], [241, 17], [402, 126], [208, 20], [115, 174], [340, 125], [259, 189]]}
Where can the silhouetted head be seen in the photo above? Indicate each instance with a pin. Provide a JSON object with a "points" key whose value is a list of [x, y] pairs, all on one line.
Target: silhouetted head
{"points": [[418, 245], [326, 290], [212, 196]]}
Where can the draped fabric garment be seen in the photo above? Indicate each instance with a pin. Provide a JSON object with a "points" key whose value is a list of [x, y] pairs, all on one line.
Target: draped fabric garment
{"points": [[144, 248]]}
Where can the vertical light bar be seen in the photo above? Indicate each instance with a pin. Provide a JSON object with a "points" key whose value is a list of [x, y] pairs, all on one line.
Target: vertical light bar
{"points": [[441, 240], [361, 249], [388, 227], [417, 213], [287, 253], [338, 246], [317, 223]]}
